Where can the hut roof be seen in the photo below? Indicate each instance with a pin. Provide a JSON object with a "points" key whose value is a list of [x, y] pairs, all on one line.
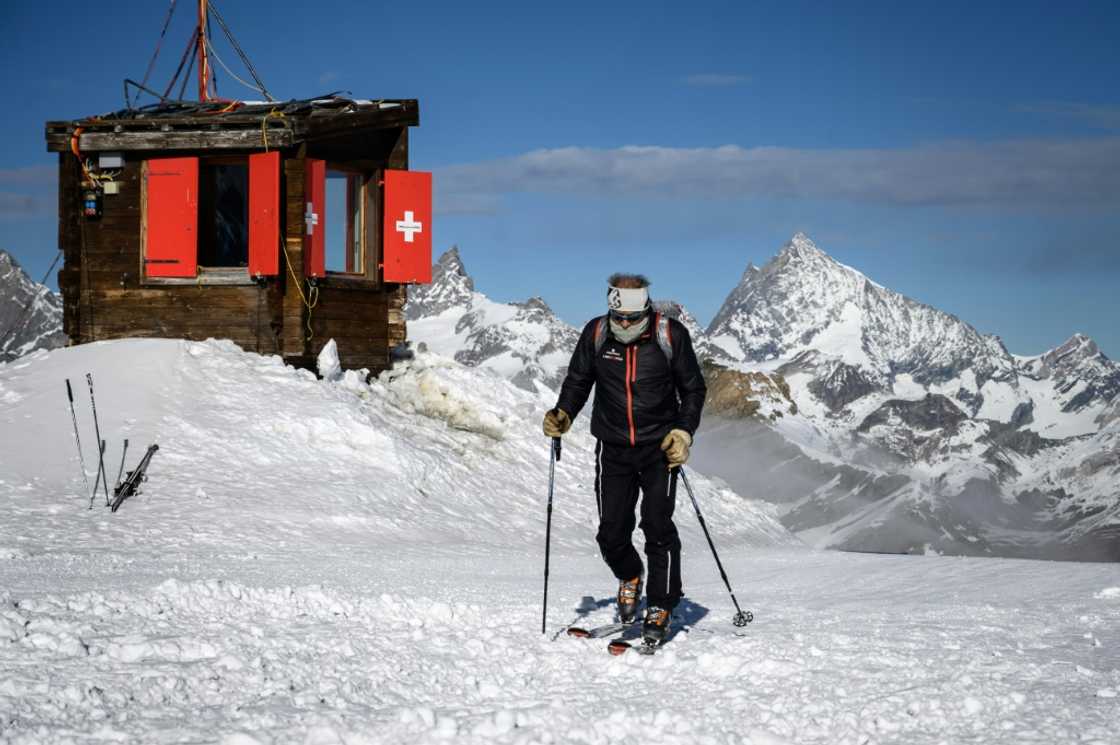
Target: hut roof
{"points": [[231, 124]]}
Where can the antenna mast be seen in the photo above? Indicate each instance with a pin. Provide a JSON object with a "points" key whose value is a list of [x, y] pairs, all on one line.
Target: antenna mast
{"points": [[203, 61]]}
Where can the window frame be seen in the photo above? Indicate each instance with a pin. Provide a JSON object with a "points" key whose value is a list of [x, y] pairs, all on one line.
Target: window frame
{"points": [[364, 180]]}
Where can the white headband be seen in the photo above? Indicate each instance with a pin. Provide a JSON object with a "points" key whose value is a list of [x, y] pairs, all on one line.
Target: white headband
{"points": [[628, 299]]}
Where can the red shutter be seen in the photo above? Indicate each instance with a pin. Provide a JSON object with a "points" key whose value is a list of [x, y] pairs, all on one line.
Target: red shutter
{"points": [[407, 229], [264, 214], [315, 218], [171, 236]]}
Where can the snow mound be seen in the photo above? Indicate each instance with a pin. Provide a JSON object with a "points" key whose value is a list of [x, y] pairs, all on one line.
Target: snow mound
{"points": [[285, 460]]}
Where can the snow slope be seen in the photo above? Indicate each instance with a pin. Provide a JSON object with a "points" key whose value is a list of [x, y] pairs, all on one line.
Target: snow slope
{"points": [[319, 562]]}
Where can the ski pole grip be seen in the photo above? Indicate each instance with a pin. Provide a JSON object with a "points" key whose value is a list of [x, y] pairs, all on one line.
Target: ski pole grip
{"points": [[556, 447], [69, 391]]}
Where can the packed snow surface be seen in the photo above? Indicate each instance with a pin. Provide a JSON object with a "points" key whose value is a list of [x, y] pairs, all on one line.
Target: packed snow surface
{"points": [[340, 562]]}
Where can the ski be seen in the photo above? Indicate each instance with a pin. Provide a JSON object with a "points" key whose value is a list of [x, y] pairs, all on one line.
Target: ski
{"points": [[620, 646], [598, 632], [132, 482]]}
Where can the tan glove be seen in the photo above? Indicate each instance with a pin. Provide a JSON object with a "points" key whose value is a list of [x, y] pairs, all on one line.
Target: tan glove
{"points": [[676, 445], [556, 422]]}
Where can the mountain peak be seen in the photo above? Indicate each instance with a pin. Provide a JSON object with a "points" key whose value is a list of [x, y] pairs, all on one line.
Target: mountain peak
{"points": [[450, 259], [451, 286], [801, 246], [1075, 349], [799, 254]]}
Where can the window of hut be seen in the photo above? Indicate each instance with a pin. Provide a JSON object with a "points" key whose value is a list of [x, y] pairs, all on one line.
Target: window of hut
{"points": [[223, 213], [344, 238]]}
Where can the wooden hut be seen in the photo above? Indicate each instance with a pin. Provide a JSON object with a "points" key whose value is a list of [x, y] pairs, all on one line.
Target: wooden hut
{"points": [[277, 225]]}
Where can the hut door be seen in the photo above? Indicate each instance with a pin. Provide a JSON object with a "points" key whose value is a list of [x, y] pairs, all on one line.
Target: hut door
{"points": [[264, 214], [171, 217]]}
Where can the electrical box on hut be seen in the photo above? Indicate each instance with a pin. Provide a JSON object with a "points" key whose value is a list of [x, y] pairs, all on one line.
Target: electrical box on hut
{"points": [[279, 225]]}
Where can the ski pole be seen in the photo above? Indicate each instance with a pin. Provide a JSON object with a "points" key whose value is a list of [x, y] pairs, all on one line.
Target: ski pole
{"points": [[554, 456], [77, 437], [97, 430], [97, 478], [742, 618], [120, 471]]}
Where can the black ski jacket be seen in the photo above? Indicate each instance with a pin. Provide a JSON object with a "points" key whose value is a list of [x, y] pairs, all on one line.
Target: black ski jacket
{"points": [[639, 394]]}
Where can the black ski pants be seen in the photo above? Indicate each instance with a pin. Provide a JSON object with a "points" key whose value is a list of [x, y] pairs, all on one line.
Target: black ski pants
{"points": [[620, 472]]}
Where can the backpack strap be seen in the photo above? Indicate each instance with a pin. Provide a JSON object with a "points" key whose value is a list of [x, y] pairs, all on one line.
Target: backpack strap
{"points": [[664, 335], [600, 333]]}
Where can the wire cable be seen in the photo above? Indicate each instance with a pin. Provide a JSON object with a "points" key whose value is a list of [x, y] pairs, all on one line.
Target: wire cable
{"points": [[182, 61], [159, 44], [214, 54], [240, 52]]}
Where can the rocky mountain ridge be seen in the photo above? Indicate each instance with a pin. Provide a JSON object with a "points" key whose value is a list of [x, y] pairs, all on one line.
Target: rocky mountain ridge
{"points": [[30, 313]]}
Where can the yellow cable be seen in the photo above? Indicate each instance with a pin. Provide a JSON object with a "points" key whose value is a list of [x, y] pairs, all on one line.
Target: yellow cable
{"points": [[299, 288], [264, 124]]}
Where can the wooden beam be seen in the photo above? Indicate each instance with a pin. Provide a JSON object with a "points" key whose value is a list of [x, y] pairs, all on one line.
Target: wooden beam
{"points": [[341, 126], [233, 139]]}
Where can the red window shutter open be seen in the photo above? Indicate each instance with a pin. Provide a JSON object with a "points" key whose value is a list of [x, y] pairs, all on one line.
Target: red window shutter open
{"points": [[171, 236], [315, 218], [407, 228], [264, 214]]}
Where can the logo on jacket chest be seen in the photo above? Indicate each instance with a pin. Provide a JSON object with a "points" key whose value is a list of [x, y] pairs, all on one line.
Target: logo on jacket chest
{"points": [[612, 354]]}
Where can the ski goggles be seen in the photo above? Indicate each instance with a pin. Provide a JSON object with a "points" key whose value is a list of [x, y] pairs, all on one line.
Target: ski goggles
{"points": [[631, 316]]}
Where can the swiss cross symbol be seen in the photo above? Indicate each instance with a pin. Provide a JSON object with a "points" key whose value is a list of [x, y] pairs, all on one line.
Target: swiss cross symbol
{"points": [[409, 226], [311, 217]]}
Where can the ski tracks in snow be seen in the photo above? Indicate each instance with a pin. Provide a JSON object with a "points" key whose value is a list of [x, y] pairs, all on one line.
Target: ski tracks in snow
{"points": [[205, 661]]}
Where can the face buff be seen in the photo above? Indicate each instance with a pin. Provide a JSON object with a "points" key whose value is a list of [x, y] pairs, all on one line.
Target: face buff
{"points": [[628, 300]]}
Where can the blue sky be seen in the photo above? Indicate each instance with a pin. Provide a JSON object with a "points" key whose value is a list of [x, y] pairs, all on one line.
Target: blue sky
{"points": [[965, 154]]}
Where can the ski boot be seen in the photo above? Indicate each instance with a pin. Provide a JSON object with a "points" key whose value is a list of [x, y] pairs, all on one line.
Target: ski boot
{"points": [[629, 596], [655, 627]]}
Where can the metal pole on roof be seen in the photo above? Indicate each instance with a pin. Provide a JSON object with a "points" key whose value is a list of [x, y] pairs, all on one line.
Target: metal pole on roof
{"points": [[203, 63]]}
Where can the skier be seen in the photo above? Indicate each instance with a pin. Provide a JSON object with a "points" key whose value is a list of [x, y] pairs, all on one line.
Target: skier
{"points": [[649, 393]]}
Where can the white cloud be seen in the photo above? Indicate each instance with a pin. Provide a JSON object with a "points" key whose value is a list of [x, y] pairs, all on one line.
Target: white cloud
{"points": [[27, 191], [42, 175], [1100, 117], [1079, 172]]}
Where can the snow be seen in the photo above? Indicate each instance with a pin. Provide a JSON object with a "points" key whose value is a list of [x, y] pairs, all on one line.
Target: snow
{"points": [[342, 562], [843, 338], [907, 389], [1049, 419]]}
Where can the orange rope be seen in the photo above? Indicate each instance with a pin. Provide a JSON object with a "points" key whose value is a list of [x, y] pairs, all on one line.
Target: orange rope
{"points": [[77, 154]]}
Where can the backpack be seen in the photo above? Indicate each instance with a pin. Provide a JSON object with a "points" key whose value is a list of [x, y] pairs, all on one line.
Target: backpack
{"points": [[661, 332]]}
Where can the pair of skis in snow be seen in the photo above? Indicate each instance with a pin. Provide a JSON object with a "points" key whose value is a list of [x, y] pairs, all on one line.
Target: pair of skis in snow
{"points": [[616, 647]]}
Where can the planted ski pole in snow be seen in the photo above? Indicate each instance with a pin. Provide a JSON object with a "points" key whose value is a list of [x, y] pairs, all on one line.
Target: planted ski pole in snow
{"points": [[120, 471], [554, 456], [742, 618], [101, 454], [77, 437]]}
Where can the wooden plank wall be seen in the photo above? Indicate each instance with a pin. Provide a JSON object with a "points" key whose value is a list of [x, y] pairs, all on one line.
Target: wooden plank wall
{"points": [[104, 298], [100, 280]]}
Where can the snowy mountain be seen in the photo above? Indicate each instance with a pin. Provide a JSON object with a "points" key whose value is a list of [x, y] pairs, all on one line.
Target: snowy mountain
{"points": [[524, 342], [317, 561], [918, 432], [816, 314], [30, 314]]}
